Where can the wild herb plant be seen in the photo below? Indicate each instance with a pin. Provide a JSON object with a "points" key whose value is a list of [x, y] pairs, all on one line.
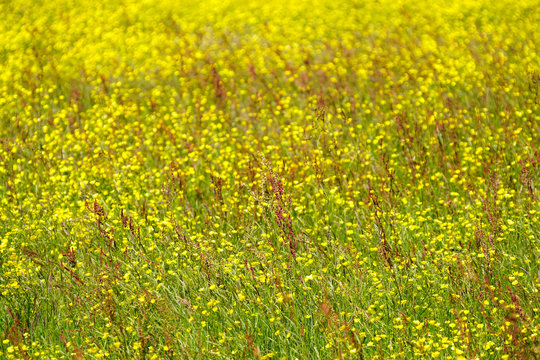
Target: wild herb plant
{"points": [[269, 179]]}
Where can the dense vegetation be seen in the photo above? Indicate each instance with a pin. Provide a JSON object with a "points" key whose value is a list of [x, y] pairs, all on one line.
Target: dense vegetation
{"points": [[269, 179]]}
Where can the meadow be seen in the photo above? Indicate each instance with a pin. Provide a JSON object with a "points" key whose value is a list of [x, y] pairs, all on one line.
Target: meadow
{"points": [[269, 179]]}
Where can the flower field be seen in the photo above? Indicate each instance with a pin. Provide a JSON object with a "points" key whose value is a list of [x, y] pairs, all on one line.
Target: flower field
{"points": [[270, 179]]}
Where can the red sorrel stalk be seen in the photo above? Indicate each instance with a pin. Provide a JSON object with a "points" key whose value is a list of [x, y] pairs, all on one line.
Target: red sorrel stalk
{"points": [[282, 216]]}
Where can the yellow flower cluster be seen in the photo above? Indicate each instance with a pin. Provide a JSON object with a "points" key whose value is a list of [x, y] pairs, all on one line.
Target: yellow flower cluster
{"points": [[269, 179]]}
